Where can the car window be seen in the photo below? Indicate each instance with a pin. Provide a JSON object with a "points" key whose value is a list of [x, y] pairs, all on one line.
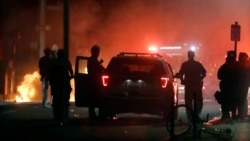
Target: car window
{"points": [[170, 70], [125, 66], [82, 67], [136, 68]]}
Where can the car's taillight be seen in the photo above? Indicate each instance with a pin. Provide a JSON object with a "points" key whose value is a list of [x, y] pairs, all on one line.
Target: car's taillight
{"points": [[175, 84], [105, 80], [164, 82]]}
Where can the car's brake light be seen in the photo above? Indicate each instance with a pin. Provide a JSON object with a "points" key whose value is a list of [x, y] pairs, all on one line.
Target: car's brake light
{"points": [[175, 92], [164, 82], [105, 80]]}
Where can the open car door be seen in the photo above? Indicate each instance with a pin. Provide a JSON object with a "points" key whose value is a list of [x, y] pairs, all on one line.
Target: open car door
{"points": [[81, 82]]}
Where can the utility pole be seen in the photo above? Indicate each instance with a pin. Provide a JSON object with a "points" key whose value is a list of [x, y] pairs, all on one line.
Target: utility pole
{"points": [[42, 27], [66, 27]]}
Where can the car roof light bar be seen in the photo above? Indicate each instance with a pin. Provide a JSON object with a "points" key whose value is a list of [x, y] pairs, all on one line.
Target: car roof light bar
{"points": [[138, 54]]}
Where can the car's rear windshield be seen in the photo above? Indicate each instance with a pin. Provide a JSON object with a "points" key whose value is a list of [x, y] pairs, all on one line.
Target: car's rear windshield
{"points": [[133, 65]]}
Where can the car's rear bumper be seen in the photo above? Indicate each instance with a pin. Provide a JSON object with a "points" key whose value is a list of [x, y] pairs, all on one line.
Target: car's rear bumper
{"points": [[135, 105]]}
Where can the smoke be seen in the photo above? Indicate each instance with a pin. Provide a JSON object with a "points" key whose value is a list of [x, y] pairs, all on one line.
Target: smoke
{"points": [[132, 25]]}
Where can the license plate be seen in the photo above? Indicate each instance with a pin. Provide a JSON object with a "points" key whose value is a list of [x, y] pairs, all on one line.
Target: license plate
{"points": [[134, 86]]}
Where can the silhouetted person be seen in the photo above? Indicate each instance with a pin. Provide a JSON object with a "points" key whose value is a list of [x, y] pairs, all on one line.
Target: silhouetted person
{"points": [[54, 49], [44, 64], [243, 68], [94, 67], [228, 76], [60, 75], [191, 75]]}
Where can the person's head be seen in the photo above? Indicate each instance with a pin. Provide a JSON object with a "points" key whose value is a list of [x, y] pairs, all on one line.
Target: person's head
{"points": [[95, 51], [231, 56], [190, 55], [54, 49], [243, 57], [47, 51]]}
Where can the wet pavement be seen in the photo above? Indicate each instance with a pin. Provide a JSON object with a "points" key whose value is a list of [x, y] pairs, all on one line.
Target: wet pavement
{"points": [[240, 130], [234, 130]]}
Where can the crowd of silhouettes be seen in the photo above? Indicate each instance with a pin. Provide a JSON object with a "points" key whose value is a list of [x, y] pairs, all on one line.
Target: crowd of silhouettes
{"points": [[233, 76], [56, 71], [234, 83], [61, 73]]}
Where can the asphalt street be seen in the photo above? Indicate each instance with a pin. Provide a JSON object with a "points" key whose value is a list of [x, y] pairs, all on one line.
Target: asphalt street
{"points": [[30, 121]]}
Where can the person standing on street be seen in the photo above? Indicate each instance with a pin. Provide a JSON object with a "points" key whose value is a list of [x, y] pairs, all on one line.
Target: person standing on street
{"points": [[191, 75], [94, 67], [243, 68], [228, 75], [44, 64], [54, 50], [60, 75]]}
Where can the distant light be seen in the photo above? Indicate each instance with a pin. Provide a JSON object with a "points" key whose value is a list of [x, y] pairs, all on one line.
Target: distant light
{"points": [[193, 48], [170, 47], [153, 48]]}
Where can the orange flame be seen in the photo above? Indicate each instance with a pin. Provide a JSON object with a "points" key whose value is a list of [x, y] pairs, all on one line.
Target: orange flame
{"points": [[27, 88], [28, 91]]}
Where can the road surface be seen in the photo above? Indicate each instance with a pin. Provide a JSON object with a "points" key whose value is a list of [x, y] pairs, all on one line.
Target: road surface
{"points": [[30, 121]]}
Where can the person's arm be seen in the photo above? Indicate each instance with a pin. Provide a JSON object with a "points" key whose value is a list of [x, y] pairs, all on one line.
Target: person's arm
{"points": [[181, 75], [70, 70], [219, 73], [204, 72]]}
